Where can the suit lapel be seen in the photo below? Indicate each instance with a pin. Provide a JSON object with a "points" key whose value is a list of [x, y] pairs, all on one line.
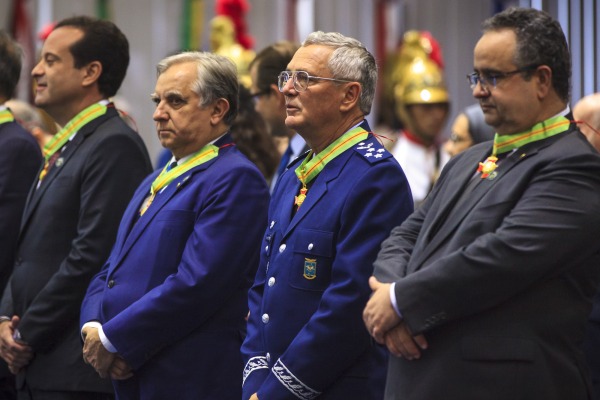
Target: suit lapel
{"points": [[456, 216], [62, 163], [136, 229], [329, 173]]}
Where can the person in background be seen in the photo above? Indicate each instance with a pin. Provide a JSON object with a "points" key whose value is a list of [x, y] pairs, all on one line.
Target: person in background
{"points": [[468, 129], [20, 160], [250, 135], [328, 215], [587, 114], [422, 105], [186, 251], [90, 171], [270, 102], [488, 285], [33, 119]]}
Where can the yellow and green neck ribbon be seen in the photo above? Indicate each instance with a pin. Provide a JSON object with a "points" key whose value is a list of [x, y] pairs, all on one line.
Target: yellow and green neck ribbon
{"points": [[62, 137], [6, 116], [505, 143], [167, 176], [312, 166]]}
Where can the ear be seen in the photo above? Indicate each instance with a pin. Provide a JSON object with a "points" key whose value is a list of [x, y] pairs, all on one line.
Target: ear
{"points": [[218, 111], [543, 76], [91, 73], [351, 97]]}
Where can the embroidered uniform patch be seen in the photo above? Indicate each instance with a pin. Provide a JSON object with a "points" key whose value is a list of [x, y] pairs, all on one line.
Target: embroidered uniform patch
{"points": [[310, 268]]}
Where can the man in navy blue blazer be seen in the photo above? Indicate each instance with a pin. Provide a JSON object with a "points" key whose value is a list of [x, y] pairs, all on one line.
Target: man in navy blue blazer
{"points": [[165, 318], [20, 159], [329, 214]]}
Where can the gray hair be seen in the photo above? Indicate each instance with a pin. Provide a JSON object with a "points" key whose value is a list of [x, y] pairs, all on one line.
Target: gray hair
{"points": [[217, 78], [350, 61]]}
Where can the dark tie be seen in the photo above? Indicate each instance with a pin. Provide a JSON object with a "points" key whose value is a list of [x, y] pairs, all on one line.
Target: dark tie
{"points": [[171, 166], [285, 160]]}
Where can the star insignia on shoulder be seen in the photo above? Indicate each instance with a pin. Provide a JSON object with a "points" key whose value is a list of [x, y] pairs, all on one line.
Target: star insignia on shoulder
{"points": [[362, 146]]}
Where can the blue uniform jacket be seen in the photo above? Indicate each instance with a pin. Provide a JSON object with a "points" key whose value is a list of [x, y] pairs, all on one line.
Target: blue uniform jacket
{"points": [[306, 338], [172, 297]]}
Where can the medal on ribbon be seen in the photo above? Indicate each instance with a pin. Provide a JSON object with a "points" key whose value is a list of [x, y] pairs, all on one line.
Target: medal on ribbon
{"points": [[312, 166]]}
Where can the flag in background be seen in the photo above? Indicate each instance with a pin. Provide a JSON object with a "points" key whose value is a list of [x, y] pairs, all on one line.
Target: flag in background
{"points": [[22, 31], [103, 9], [191, 26]]}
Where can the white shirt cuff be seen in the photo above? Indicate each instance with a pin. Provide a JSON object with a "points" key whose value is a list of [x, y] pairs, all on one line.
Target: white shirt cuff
{"points": [[393, 299], [105, 342]]}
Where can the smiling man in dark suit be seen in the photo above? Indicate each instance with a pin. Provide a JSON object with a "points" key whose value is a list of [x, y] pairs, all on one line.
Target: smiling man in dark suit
{"points": [[494, 275], [91, 169]]}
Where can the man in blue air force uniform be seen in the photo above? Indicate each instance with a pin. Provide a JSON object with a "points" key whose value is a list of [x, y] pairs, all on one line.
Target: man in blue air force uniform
{"points": [[329, 213]]}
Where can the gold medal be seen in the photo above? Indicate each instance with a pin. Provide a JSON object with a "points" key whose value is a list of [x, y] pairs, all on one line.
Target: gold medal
{"points": [[488, 166], [145, 204], [298, 200]]}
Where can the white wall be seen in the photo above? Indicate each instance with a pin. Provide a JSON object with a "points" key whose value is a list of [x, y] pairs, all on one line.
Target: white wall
{"points": [[152, 27]]}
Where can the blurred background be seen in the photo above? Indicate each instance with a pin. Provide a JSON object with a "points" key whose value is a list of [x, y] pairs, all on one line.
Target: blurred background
{"points": [[156, 28]]}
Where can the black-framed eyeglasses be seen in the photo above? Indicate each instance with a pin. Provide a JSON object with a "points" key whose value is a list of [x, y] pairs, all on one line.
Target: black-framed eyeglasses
{"points": [[300, 80], [490, 80], [255, 96]]}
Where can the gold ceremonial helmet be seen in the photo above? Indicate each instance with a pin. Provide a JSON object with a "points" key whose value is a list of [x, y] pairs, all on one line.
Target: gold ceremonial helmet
{"points": [[422, 83], [417, 75], [223, 42]]}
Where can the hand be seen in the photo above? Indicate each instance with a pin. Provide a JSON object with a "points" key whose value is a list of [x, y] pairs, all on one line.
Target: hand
{"points": [[254, 397], [16, 353], [401, 343], [94, 352], [379, 315], [119, 369]]}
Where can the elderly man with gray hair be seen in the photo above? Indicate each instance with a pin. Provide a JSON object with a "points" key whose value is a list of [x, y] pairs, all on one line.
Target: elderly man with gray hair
{"points": [[327, 218], [165, 317]]}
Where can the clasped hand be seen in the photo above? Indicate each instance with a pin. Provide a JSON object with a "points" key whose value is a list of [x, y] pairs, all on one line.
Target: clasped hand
{"points": [[386, 326], [102, 360], [16, 353]]}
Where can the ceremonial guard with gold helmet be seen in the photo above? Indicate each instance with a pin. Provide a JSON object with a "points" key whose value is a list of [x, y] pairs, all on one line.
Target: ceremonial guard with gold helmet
{"points": [[421, 104]]}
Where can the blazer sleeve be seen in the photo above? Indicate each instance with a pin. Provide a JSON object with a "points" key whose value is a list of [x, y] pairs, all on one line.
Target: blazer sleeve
{"points": [[110, 174], [20, 160], [550, 231], [218, 258], [335, 337], [392, 260]]}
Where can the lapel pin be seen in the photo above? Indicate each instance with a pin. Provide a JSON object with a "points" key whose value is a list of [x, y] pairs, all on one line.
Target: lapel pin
{"points": [[59, 162]]}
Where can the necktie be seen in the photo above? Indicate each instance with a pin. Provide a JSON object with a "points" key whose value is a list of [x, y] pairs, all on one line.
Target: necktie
{"points": [[285, 160], [171, 166]]}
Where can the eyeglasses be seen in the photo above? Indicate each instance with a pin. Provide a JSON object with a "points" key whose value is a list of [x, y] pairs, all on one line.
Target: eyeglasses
{"points": [[454, 138], [489, 81], [257, 95], [300, 79]]}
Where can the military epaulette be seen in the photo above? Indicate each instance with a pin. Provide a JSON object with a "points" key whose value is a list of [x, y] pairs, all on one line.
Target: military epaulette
{"points": [[373, 152]]}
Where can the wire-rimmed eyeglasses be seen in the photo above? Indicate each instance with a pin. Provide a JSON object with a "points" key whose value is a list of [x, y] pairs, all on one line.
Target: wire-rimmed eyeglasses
{"points": [[490, 80], [300, 79]]}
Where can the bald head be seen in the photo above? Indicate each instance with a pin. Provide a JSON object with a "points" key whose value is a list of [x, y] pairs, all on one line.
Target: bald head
{"points": [[588, 110]]}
